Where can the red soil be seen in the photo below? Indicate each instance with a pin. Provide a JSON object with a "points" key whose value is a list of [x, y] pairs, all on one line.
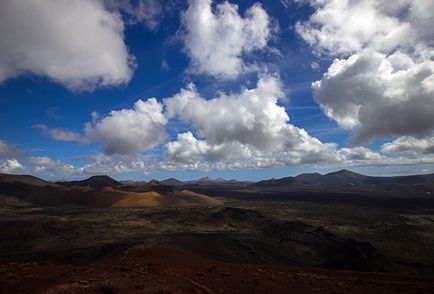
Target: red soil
{"points": [[169, 270]]}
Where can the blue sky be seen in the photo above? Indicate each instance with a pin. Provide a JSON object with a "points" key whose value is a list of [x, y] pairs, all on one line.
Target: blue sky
{"points": [[243, 89]]}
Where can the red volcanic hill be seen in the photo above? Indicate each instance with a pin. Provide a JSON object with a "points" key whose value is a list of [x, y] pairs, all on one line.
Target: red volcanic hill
{"points": [[100, 191]]}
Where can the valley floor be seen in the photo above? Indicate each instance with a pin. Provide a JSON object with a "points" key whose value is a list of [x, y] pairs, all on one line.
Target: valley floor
{"points": [[168, 270], [239, 247]]}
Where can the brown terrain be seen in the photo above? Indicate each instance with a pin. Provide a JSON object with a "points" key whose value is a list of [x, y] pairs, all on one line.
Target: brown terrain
{"points": [[337, 233], [169, 270]]}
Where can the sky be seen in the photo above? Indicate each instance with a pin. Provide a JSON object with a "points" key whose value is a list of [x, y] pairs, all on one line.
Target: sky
{"points": [[142, 89]]}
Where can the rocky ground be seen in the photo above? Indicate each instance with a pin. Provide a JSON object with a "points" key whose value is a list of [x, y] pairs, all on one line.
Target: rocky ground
{"points": [[239, 247], [170, 270]]}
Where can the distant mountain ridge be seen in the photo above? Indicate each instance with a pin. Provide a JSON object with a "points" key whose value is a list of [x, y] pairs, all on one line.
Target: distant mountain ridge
{"points": [[99, 191], [349, 180], [207, 181], [338, 181], [24, 179], [96, 182], [331, 179], [171, 182]]}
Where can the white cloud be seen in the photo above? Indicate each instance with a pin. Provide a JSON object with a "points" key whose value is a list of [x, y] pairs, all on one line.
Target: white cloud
{"points": [[188, 149], [129, 131], [8, 161], [411, 145], [382, 82], [115, 164], [246, 129], [216, 39], [190, 153], [378, 95], [125, 131], [76, 43], [10, 166], [345, 27], [46, 166], [59, 134], [358, 154], [251, 117]]}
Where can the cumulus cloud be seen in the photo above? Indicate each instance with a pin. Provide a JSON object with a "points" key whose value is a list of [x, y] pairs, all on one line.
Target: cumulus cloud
{"points": [[190, 153], [345, 27], [245, 129], [124, 132], [129, 131], [188, 149], [410, 144], [48, 166], [216, 39], [8, 158], [363, 90], [115, 164], [383, 68], [59, 134], [250, 117], [76, 43], [10, 166], [358, 154]]}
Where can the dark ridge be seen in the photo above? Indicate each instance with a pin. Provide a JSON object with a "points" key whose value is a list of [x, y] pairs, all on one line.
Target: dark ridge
{"points": [[274, 182], [344, 173], [154, 182], [25, 179], [96, 182], [171, 182]]}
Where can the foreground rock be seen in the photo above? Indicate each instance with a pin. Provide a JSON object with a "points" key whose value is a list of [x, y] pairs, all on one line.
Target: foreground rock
{"points": [[169, 270]]}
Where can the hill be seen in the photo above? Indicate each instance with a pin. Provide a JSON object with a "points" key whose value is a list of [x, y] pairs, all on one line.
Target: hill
{"points": [[345, 180], [24, 179], [104, 191], [111, 197], [172, 182], [96, 182], [99, 191]]}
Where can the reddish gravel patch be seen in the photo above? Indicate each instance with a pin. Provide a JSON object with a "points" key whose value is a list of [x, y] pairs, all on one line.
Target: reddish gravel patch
{"points": [[169, 270]]}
